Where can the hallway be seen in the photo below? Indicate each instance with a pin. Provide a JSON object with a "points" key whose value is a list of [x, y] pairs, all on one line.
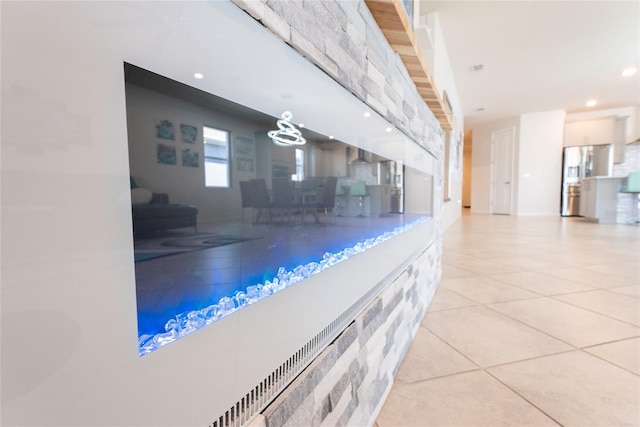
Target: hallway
{"points": [[535, 323]]}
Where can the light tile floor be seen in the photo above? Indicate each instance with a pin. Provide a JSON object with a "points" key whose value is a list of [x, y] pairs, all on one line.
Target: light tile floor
{"points": [[535, 323]]}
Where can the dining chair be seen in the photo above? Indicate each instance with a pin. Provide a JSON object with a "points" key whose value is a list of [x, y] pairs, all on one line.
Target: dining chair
{"points": [[246, 196], [309, 190], [282, 192], [328, 200], [260, 198]]}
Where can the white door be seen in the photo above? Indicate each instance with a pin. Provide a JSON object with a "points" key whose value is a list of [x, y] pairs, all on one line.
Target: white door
{"points": [[502, 142]]}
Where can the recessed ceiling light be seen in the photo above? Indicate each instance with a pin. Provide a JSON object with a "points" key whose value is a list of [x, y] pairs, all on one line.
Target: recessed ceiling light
{"points": [[480, 109], [388, 129], [367, 114], [331, 136], [477, 67], [591, 102], [628, 72], [198, 75], [301, 125]]}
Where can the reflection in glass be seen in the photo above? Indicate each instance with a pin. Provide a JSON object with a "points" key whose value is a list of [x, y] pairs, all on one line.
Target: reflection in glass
{"points": [[216, 157], [203, 252], [187, 322]]}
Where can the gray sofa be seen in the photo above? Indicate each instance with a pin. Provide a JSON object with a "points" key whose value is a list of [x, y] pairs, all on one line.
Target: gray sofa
{"points": [[158, 214]]}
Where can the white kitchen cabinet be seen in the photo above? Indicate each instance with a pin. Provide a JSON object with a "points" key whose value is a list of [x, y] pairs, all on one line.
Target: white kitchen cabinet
{"points": [[601, 131], [599, 198], [573, 133], [589, 132]]}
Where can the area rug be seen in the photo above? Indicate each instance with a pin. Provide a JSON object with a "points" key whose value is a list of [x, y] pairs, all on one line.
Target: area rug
{"points": [[148, 249]]}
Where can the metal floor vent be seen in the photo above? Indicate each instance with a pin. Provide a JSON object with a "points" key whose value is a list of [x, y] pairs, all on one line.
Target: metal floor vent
{"points": [[247, 408], [244, 410], [262, 394]]}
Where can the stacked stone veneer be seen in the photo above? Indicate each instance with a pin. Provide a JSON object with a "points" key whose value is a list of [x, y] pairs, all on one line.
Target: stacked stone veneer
{"points": [[347, 383], [343, 39]]}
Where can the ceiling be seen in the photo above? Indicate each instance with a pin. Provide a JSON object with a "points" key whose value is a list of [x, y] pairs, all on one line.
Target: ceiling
{"points": [[540, 55]]}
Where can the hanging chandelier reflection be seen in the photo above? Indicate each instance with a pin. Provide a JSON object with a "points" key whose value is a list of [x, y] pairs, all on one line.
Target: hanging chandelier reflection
{"points": [[287, 134]]}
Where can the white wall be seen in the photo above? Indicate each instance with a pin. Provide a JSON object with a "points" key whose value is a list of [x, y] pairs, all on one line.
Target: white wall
{"points": [[436, 57], [481, 162], [537, 163], [332, 160], [540, 163], [442, 73], [69, 333]]}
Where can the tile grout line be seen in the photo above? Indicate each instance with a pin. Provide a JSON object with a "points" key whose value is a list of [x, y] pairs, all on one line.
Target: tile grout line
{"points": [[523, 398], [449, 345], [593, 289], [609, 362], [439, 377], [572, 349], [502, 314], [532, 327], [610, 342], [596, 312], [478, 244], [486, 305], [499, 302], [547, 295], [510, 318]]}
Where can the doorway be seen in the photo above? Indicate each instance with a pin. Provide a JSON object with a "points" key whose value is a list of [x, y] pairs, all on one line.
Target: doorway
{"points": [[502, 143]]}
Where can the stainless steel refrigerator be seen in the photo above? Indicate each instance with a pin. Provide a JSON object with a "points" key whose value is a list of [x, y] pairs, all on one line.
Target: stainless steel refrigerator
{"points": [[578, 163]]}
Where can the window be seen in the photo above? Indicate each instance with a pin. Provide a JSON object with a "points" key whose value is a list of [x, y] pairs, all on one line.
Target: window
{"points": [[299, 175], [216, 157]]}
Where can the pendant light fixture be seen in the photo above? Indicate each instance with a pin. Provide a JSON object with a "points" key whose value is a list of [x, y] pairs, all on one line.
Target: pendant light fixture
{"points": [[287, 134]]}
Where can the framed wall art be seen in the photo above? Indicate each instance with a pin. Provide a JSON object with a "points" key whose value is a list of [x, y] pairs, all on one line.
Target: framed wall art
{"points": [[190, 158], [165, 130], [166, 154], [188, 133]]}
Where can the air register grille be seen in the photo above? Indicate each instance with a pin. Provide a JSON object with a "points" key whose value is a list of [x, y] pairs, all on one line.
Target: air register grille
{"points": [[257, 399], [244, 410], [262, 394]]}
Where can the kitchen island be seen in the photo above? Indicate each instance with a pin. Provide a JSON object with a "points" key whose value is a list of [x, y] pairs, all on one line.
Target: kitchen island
{"points": [[602, 200]]}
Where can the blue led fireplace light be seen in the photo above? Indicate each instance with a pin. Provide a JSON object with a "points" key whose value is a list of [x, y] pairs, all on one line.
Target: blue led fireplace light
{"points": [[188, 322]]}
